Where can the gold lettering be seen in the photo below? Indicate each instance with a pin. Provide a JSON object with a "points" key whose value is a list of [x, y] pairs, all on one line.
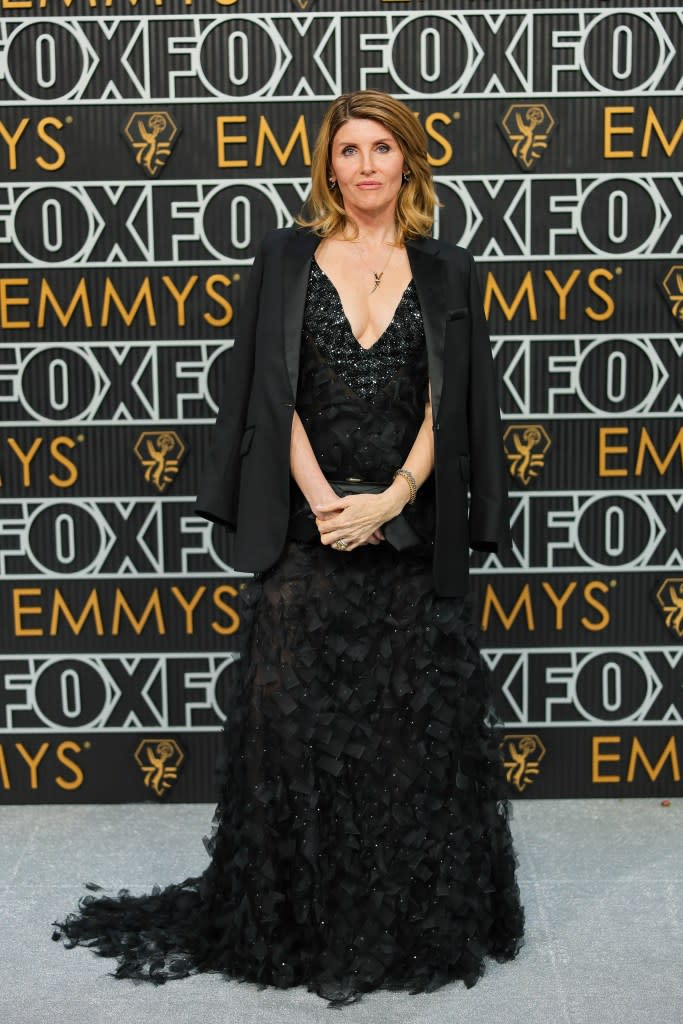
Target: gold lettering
{"points": [[219, 299], [526, 288], [637, 752], [610, 129], [432, 133], [652, 124], [523, 601], [19, 610], [4, 774], [563, 290], [25, 458], [33, 762], [180, 297], [188, 606], [60, 159], [598, 605], [599, 756], [12, 140], [68, 763], [64, 316], [283, 155], [127, 315], [56, 444], [606, 450], [223, 140], [7, 300], [593, 277], [559, 600], [229, 611], [153, 605], [646, 444], [92, 605]]}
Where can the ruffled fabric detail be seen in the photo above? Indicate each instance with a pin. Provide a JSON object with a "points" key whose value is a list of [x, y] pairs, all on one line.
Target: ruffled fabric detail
{"points": [[361, 838]]}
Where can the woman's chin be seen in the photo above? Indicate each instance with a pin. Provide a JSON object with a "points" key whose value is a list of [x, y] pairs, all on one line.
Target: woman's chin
{"points": [[370, 201]]}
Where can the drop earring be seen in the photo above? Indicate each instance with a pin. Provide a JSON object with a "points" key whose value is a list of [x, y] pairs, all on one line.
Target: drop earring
{"points": [[332, 182], [406, 176]]}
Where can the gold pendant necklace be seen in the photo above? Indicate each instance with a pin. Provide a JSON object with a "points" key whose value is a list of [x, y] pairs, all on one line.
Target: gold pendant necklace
{"points": [[377, 276]]}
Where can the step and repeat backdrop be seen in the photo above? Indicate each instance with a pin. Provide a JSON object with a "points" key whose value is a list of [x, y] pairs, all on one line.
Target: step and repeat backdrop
{"points": [[144, 149]]}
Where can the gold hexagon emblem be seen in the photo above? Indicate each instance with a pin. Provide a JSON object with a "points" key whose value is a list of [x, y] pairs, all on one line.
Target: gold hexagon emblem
{"points": [[151, 135], [522, 756], [527, 128], [672, 286], [526, 445], [160, 452], [159, 761], [670, 600]]}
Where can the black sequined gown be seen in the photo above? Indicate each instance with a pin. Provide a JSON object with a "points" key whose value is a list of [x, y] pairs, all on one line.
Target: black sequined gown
{"points": [[361, 837]]}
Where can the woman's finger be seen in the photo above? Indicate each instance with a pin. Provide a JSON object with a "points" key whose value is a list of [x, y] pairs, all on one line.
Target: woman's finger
{"points": [[352, 539], [332, 506]]}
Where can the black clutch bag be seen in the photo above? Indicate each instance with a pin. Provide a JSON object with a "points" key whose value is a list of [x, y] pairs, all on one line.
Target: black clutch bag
{"points": [[397, 531]]}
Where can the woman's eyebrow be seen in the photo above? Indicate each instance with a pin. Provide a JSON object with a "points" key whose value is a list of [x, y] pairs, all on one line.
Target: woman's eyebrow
{"points": [[375, 142]]}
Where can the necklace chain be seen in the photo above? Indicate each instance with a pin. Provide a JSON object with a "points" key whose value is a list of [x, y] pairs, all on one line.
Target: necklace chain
{"points": [[377, 276]]}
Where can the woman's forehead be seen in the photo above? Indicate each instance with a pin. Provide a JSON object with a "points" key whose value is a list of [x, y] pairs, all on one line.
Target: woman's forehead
{"points": [[362, 128]]}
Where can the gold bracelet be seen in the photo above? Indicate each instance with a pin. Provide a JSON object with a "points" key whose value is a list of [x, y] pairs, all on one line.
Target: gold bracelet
{"points": [[410, 480]]}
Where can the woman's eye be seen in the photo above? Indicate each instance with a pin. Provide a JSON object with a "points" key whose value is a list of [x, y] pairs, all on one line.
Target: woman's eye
{"points": [[347, 149], [383, 148]]}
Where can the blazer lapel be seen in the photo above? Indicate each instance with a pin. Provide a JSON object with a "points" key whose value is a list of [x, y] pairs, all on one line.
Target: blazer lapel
{"points": [[297, 259], [431, 283]]}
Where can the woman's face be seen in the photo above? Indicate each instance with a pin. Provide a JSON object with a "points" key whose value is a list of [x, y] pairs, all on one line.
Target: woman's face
{"points": [[368, 165]]}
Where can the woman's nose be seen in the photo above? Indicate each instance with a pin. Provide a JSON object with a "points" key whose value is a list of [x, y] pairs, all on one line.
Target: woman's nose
{"points": [[367, 163]]}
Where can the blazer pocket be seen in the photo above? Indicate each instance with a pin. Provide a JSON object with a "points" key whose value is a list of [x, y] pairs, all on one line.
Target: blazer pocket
{"points": [[458, 314], [246, 440], [464, 461]]}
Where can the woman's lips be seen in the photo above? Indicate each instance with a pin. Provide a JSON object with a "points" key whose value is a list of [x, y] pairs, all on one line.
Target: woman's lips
{"points": [[369, 184]]}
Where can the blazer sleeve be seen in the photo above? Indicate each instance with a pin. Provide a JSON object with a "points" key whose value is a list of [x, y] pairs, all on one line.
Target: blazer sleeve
{"points": [[218, 490], [489, 514]]}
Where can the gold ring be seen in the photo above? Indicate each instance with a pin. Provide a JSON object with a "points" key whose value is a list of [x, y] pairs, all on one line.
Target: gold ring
{"points": [[340, 545]]}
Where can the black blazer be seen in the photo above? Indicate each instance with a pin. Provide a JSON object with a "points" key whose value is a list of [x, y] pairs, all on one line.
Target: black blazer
{"points": [[246, 480]]}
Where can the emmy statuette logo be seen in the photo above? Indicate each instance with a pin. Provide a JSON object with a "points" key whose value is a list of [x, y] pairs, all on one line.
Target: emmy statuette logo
{"points": [[151, 135], [161, 453], [672, 286], [526, 445], [522, 756], [159, 761], [527, 128], [670, 600]]}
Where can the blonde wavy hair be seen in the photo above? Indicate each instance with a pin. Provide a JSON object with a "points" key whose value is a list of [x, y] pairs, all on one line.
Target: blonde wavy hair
{"points": [[324, 211]]}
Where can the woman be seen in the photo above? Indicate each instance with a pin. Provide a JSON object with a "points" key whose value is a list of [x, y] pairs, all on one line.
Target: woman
{"points": [[361, 838]]}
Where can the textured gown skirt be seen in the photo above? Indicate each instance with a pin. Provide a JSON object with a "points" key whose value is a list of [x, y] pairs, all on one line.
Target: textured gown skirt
{"points": [[361, 836]]}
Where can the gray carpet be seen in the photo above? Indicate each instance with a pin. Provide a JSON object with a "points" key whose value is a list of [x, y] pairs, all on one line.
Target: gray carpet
{"points": [[601, 882]]}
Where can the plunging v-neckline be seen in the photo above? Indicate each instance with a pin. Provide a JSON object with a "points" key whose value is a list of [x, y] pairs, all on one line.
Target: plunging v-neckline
{"points": [[365, 348]]}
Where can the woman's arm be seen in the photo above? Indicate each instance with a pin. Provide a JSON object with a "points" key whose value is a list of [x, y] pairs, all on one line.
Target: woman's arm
{"points": [[323, 501], [306, 470], [420, 460], [362, 515]]}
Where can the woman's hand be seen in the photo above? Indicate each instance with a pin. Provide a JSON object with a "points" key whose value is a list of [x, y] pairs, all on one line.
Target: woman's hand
{"points": [[357, 518]]}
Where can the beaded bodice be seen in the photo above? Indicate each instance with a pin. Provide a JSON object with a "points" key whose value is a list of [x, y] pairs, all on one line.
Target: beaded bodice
{"points": [[364, 371]]}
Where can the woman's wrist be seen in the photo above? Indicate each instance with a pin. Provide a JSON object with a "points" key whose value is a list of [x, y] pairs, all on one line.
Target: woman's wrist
{"points": [[395, 497], [321, 496]]}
